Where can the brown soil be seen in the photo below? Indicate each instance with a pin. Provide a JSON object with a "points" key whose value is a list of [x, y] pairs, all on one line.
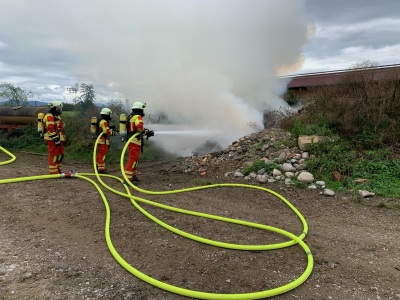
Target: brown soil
{"points": [[53, 244]]}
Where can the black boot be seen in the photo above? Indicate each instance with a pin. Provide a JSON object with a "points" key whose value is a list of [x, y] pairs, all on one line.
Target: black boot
{"points": [[135, 179]]}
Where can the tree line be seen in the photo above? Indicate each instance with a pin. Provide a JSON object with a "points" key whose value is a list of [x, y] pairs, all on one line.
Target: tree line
{"points": [[84, 96]]}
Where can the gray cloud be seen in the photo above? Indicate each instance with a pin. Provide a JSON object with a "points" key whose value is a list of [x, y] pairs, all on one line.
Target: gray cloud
{"points": [[350, 32], [344, 12]]}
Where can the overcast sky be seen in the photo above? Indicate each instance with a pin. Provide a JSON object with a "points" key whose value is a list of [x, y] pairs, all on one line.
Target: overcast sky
{"points": [[348, 32], [200, 61]]}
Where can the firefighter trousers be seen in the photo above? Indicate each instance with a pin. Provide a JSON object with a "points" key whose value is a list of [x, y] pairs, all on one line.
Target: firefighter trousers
{"points": [[102, 151], [133, 159], [55, 157]]}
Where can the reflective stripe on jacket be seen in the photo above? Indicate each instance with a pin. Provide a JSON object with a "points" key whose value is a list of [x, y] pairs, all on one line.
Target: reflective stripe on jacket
{"points": [[61, 129], [105, 129], [53, 127], [136, 125]]}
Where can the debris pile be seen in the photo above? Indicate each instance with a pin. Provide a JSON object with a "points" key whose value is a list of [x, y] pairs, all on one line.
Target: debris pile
{"points": [[272, 146]]}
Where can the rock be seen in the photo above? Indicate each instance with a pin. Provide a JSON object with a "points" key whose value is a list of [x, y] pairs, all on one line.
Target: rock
{"points": [[289, 174], [297, 156], [267, 161], [288, 181], [305, 141], [361, 180], [329, 193], [320, 184], [305, 177], [261, 171], [276, 172], [281, 158], [286, 167], [301, 167], [365, 194], [262, 178]]}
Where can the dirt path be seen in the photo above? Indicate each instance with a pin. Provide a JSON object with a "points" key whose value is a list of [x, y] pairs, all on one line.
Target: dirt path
{"points": [[53, 244]]}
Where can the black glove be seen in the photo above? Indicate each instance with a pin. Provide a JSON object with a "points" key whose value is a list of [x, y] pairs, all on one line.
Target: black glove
{"points": [[114, 132], [57, 141], [148, 133]]}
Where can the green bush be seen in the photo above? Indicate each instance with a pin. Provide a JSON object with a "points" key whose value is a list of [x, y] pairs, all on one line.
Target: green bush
{"points": [[330, 157], [359, 109], [383, 176], [28, 139], [319, 126]]}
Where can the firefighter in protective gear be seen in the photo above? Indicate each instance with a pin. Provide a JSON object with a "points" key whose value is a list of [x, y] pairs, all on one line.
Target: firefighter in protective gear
{"points": [[135, 125], [104, 141], [54, 136]]}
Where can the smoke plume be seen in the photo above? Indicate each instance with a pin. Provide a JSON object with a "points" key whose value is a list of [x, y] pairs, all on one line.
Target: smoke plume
{"points": [[206, 64]]}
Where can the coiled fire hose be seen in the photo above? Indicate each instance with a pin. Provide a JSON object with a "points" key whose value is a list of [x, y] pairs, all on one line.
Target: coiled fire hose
{"points": [[293, 239]]}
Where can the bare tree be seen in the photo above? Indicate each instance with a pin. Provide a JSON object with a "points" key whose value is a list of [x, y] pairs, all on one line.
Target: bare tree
{"points": [[74, 91]]}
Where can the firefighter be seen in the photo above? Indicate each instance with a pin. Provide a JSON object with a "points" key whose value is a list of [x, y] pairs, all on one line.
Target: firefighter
{"points": [[54, 136], [104, 141], [135, 125]]}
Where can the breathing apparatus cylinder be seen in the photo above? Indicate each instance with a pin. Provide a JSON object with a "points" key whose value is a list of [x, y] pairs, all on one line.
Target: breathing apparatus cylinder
{"points": [[40, 125], [122, 126], [93, 125]]}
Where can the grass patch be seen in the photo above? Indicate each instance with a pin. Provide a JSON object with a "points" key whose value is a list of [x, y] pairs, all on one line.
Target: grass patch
{"points": [[379, 173]]}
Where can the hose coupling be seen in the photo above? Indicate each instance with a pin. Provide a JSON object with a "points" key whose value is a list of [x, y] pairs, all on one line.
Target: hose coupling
{"points": [[70, 174]]}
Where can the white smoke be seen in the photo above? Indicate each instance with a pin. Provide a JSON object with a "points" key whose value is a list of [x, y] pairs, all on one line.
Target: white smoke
{"points": [[207, 64]]}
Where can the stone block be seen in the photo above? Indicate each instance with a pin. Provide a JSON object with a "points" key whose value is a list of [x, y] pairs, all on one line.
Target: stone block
{"points": [[304, 141]]}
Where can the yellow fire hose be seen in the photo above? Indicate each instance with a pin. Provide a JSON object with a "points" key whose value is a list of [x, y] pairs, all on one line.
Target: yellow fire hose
{"points": [[8, 153], [293, 239]]}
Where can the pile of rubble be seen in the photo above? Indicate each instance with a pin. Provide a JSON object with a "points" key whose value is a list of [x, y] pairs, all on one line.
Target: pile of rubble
{"points": [[270, 145], [273, 146]]}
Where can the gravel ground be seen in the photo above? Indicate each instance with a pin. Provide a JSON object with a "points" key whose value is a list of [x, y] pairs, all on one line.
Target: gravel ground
{"points": [[53, 245]]}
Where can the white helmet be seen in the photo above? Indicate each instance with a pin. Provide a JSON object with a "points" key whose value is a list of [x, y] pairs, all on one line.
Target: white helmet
{"points": [[106, 111], [139, 105], [57, 105]]}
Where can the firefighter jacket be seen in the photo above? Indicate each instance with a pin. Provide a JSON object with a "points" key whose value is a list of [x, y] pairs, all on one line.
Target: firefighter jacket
{"points": [[107, 132], [53, 127], [136, 125]]}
